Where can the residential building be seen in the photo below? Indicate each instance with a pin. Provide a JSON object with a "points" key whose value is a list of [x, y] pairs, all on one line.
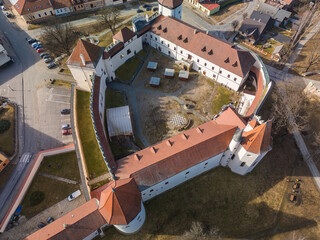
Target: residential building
{"points": [[4, 58], [62, 6], [34, 11], [283, 4], [207, 6], [280, 16]]}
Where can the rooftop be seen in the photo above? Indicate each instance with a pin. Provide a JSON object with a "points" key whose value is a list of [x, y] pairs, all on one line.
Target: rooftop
{"points": [[29, 6], [170, 3], [124, 35]]}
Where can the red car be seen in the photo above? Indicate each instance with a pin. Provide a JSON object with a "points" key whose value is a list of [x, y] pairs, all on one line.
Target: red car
{"points": [[66, 132], [39, 50]]}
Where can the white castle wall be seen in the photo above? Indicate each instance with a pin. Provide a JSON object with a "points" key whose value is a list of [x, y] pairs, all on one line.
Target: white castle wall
{"points": [[176, 13], [82, 76], [181, 177], [135, 224], [201, 65]]}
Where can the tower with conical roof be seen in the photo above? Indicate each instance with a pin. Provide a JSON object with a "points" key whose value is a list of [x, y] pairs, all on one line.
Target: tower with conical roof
{"points": [[171, 8]]}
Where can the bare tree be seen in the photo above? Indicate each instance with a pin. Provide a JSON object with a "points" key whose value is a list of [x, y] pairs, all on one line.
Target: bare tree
{"points": [[59, 38], [314, 57], [234, 24], [110, 17], [286, 51], [199, 232], [289, 106], [245, 15]]}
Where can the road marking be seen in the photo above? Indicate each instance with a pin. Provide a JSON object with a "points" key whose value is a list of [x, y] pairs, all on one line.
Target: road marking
{"points": [[65, 120], [25, 158], [57, 102], [61, 95]]}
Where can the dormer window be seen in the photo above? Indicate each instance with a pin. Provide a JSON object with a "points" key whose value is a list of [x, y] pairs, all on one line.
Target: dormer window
{"points": [[165, 30], [210, 52], [204, 49], [185, 40], [28, 9], [180, 37], [159, 27], [235, 64], [227, 60]]}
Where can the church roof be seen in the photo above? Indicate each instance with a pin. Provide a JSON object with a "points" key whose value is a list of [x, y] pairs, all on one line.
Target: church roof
{"points": [[258, 140], [124, 35], [77, 224], [208, 47], [231, 117], [120, 202], [169, 157], [91, 54], [170, 3]]}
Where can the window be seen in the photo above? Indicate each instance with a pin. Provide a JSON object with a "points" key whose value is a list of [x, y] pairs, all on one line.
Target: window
{"points": [[220, 71], [214, 76], [254, 163], [197, 60], [205, 64], [45, 13], [199, 68], [150, 36], [128, 51], [166, 183], [161, 42], [39, 15], [155, 39], [235, 79], [122, 56], [175, 48], [242, 164], [212, 68], [181, 52], [144, 194], [151, 190], [187, 173], [168, 45], [206, 163], [249, 155], [228, 75], [4, 164], [232, 157]]}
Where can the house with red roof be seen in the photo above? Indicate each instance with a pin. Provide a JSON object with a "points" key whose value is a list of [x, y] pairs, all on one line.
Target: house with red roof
{"points": [[207, 6]]}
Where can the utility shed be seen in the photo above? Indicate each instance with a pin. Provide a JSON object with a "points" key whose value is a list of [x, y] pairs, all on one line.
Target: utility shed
{"points": [[183, 75], [152, 66], [154, 82], [119, 121], [169, 73]]}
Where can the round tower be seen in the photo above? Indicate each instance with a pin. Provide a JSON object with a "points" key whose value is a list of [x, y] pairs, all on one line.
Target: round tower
{"points": [[121, 205], [170, 8]]}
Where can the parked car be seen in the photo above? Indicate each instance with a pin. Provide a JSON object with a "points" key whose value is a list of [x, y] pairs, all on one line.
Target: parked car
{"points": [[38, 46], [39, 50], [47, 60], [154, 9], [51, 65], [32, 40], [74, 195], [66, 126], [35, 44], [42, 55], [9, 15], [66, 132], [146, 6], [149, 8], [41, 225], [50, 220], [47, 56], [65, 111], [140, 11]]}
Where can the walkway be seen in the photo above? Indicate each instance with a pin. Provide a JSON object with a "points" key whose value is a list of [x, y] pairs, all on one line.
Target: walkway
{"points": [[58, 178], [100, 178]]}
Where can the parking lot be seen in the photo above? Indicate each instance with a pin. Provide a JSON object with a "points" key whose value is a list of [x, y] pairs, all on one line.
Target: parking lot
{"points": [[56, 99]]}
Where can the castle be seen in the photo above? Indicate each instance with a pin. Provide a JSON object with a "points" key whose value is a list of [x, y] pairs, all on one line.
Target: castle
{"points": [[228, 140]]}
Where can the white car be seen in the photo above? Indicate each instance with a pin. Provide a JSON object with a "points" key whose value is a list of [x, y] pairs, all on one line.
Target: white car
{"points": [[3, 8], [65, 126], [74, 195]]}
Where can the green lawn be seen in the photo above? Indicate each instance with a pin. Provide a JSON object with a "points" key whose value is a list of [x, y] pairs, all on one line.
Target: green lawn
{"points": [[94, 160], [7, 138], [114, 98], [126, 71], [63, 165], [269, 50], [54, 191], [224, 96]]}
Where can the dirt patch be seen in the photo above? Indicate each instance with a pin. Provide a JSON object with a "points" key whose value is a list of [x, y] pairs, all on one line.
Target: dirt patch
{"points": [[227, 11]]}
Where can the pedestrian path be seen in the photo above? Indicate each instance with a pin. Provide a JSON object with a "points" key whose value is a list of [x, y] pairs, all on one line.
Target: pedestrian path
{"points": [[100, 178], [58, 178]]}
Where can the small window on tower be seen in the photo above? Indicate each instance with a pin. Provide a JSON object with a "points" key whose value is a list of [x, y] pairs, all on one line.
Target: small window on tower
{"points": [[232, 157], [242, 164]]}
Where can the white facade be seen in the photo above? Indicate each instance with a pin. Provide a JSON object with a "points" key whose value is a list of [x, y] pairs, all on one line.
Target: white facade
{"points": [[136, 224], [181, 177], [165, 11], [62, 11], [83, 76], [199, 64]]}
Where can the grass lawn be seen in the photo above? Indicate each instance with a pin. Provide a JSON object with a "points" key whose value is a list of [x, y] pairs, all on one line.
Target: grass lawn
{"points": [[114, 98], [269, 50], [7, 138], [94, 160], [224, 96], [54, 191], [227, 11], [63, 165], [127, 70], [239, 206], [282, 31]]}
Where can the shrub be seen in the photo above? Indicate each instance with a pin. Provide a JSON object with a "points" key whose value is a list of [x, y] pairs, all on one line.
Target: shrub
{"points": [[36, 198], [4, 125]]}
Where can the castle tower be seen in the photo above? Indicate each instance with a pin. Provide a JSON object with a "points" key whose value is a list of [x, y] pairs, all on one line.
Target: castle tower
{"points": [[171, 8], [254, 146], [121, 205]]}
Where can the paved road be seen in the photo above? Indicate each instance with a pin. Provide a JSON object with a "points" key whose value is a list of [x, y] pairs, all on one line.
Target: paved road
{"points": [[23, 83]]}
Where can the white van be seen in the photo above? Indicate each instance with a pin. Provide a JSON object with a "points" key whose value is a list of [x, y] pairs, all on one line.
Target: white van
{"points": [[74, 195]]}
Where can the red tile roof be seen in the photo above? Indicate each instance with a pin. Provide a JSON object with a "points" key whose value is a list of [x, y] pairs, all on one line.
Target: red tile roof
{"points": [[169, 157], [258, 140], [253, 123], [209, 5], [57, 4], [97, 192], [91, 54], [120, 202], [29, 6], [231, 117], [170, 3], [117, 48], [80, 222], [124, 35], [239, 61]]}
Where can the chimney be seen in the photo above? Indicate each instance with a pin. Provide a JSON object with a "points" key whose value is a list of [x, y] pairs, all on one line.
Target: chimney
{"points": [[195, 31], [82, 59], [65, 225]]}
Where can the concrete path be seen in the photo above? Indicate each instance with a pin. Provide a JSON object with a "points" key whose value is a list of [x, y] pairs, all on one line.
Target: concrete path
{"points": [[58, 178], [100, 178]]}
